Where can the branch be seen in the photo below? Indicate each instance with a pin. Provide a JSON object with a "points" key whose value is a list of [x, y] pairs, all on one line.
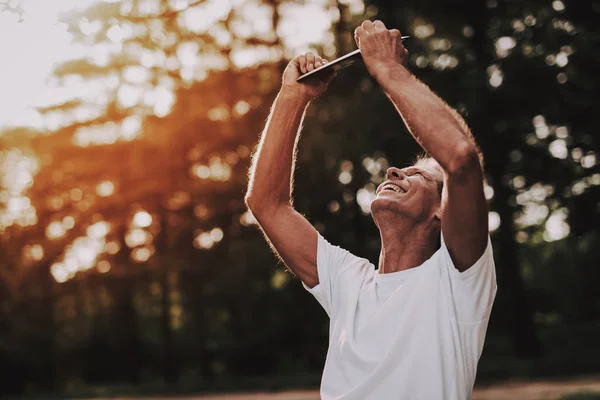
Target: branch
{"points": [[16, 10], [165, 15]]}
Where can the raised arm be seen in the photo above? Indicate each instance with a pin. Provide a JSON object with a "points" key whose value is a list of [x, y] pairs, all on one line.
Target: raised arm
{"points": [[269, 195], [442, 133]]}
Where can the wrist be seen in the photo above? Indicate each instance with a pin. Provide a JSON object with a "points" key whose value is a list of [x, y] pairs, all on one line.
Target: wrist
{"points": [[293, 94], [390, 71]]}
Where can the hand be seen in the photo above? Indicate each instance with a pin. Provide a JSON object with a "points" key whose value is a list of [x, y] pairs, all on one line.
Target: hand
{"points": [[380, 48], [310, 87]]}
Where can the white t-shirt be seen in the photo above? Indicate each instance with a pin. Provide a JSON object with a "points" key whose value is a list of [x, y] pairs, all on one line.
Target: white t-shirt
{"points": [[414, 334]]}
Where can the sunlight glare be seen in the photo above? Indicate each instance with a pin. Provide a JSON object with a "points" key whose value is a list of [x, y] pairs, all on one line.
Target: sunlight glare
{"points": [[165, 99], [504, 45], [68, 222], [488, 192], [203, 241], [59, 272], [589, 160], [493, 221], [142, 254], [558, 149], [112, 248], [137, 237], [136, 74], [55, 230], [198, 19], [302, 24], [201, 211], [532, 214], [141, 219], [33, 252], [247, 219], [105, 188], [216, 234], [82, 253], [557, 227], [16, 177], [98, 230], [495, 75], [423, 30], [364, 197], [32, 47], [241, 108], [131, 127], [103, 266], [219, 170]]}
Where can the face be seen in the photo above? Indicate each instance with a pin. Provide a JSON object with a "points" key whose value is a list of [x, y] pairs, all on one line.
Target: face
{"points": [[411, 192]]}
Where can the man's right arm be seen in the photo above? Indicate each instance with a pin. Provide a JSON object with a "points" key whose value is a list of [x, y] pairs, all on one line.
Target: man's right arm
{"points": [[271, 180]]}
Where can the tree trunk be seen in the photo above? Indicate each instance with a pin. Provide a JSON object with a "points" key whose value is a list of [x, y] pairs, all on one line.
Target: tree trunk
{"points": [[170, 372], [525, 341]]}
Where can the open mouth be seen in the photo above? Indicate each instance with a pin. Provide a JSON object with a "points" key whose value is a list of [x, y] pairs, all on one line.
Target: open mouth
{"points": [[393, 187]]}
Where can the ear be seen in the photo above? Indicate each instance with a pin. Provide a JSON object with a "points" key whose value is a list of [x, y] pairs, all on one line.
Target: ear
{"points": [[443, 199], [438, 213]]}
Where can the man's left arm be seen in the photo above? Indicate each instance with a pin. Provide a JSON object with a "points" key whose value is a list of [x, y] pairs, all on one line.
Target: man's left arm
{"points": [[442, 133]]}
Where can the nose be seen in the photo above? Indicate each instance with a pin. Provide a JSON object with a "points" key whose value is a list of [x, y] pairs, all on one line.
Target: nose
{"points": [[394, 173]]}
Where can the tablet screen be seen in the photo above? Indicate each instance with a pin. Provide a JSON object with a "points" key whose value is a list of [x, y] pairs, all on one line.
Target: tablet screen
{"points": [[335, 65], [339, 63]]}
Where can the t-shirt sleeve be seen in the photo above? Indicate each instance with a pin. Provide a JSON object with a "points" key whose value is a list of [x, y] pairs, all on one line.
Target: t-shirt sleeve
{"points": [[472, 291], [338, 270]]}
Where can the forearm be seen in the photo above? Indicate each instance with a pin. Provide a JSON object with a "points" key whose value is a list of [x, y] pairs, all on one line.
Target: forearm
{"points": [[273, 164], [438, 128]]}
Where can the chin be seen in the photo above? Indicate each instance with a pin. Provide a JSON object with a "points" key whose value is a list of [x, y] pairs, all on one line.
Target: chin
{"points": [[383, 204], [388, 210], [384, 209]]}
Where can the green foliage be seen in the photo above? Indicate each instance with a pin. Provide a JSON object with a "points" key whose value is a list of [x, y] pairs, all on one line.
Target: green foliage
{"points": [[582, 396], [205, 314]]}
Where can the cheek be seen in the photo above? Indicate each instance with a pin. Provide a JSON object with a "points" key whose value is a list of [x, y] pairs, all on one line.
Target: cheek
{"points": [[432, 199]]}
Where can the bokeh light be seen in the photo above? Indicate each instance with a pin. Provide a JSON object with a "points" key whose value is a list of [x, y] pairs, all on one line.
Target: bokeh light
{"points": [[141, 219], [206, 240], [82, 253], [17, 171]]}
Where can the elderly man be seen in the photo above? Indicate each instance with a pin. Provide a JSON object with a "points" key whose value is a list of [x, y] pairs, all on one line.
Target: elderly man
{"points": [[414, 327]]}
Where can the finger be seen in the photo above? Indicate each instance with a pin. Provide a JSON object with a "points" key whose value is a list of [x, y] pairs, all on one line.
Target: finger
{"points": [[310, 61], [395, 32], [358, 33], [302, 63], [378, 26], [318, 62], [367, 25]]}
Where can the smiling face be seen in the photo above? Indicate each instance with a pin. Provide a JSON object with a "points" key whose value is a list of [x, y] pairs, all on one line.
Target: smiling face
{"points": [[412, 193]]}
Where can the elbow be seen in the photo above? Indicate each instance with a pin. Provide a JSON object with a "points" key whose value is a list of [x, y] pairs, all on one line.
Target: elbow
{"points": [[258, 205], [465, 160], [251, 201]]}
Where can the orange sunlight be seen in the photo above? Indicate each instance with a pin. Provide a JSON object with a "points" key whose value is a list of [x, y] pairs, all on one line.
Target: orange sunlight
{"points": [[30, 49]]}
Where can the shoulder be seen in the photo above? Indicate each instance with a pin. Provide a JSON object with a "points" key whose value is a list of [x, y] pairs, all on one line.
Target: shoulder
{"points": [[485, 259]]}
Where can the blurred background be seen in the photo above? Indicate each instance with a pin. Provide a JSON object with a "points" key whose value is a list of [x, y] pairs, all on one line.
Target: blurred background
{"points": [[128, 261]]}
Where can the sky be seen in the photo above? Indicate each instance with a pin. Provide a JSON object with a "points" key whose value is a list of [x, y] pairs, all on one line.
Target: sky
{"points": [[29, 50]]}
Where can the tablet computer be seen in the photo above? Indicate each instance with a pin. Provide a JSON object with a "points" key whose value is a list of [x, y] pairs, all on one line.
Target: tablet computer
{"points": [[337, 64]]}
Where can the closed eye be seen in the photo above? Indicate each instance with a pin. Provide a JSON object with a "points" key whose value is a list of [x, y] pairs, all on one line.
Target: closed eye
{"points": [[424, 176]]}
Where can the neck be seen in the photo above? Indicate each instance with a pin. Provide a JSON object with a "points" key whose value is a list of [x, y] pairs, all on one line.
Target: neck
{"points": [[406, 248]]}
